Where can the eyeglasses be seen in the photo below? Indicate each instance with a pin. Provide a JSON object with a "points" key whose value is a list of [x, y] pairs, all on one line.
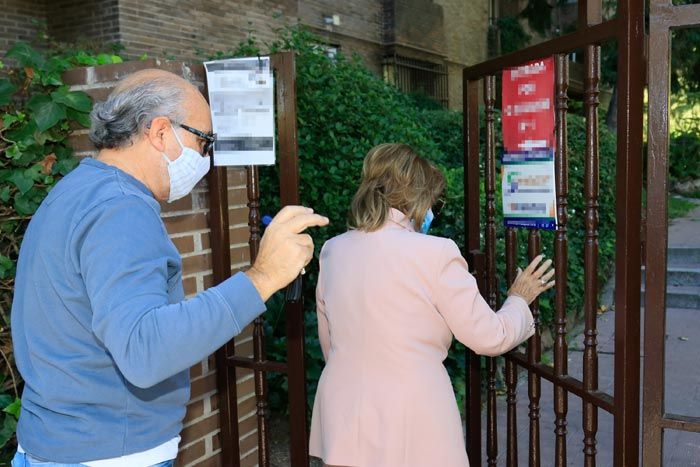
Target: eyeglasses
{"points": [[209, 138]]}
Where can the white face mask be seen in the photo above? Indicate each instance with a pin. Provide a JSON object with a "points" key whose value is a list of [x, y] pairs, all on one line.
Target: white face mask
{"points": [[185, 171]]}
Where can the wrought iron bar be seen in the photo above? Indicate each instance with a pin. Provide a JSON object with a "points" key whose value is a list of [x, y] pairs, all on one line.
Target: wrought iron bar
{"points": [[572, 385], [250, 364], [561, 256], [472, 401], [259, 353], [681, 422], [491, 284], [511, 367], [564, 44], [591, 189], [534, 354]]}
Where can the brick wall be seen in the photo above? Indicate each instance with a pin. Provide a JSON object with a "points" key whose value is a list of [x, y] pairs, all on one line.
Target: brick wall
{"points": [[166, 28], [449, 31], [465, 23], [19, 21], [420, 23], [359, 19], [359, 32], [187, 222], [94, 20]]}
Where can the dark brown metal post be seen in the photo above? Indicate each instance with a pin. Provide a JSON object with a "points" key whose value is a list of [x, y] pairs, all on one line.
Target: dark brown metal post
{"points": [[472, 247], [491, 283], [630, 88], [591, 189], [511, 375], [656, 228], [561, 256], [582, 19], [284, 65], [221, 269], [534, 355]]}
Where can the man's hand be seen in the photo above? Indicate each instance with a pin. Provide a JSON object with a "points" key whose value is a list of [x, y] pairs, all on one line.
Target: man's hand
{"points": [[284, 249]]}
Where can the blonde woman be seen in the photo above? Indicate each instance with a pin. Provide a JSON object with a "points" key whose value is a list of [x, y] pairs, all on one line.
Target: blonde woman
{"points": [[390, 298]]}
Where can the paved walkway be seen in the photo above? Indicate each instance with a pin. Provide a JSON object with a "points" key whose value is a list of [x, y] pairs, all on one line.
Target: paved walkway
{"points": [[682, 382]]}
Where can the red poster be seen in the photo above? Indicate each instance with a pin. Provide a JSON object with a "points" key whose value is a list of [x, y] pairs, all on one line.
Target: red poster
{"points": [[528, 107]]}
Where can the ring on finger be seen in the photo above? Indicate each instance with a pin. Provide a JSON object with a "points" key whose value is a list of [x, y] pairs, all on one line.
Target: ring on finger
{"points": [[543, 282]]}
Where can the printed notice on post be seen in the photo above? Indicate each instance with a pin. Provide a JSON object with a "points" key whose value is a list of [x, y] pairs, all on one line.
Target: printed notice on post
{"points": [[241, 97], [527, 170], [528, 190]]}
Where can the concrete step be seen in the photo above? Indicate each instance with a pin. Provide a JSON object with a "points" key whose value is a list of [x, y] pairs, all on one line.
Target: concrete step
{"points": [[683, 256], [680, 276], [687, 297]]}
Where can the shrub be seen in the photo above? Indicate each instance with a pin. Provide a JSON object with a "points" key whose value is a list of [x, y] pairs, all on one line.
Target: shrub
{"points": [[684, 143], [684, 155]]}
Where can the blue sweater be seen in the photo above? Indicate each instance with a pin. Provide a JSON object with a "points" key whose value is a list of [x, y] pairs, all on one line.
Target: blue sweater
{"points": [[103, 335]]}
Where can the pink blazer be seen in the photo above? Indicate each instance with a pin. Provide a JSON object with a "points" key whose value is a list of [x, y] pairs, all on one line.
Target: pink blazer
{"points": [[388, 305]]}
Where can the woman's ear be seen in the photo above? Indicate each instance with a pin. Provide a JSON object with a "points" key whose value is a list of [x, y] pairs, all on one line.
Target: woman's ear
{"points": [[156, 132]]}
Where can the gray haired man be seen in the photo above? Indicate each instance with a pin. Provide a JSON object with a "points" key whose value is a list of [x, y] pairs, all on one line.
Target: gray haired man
{"points": [[102, 332]]}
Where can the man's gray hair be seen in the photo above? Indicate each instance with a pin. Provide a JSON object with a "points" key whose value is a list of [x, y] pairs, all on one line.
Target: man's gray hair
{"points": [[126, 113]]}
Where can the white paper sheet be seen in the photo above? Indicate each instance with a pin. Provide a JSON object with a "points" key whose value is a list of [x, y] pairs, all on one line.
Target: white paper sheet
{"points": [[241, 97]]}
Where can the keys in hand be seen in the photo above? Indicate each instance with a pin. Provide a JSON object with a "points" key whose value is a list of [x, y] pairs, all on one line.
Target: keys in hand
{"points": [[284, 249]]}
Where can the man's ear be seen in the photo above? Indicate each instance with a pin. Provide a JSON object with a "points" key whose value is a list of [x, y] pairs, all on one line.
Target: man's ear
{"points": [[156, 132]]}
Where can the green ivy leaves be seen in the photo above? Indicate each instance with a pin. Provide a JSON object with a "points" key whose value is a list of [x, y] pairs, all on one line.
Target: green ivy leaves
{"points": [[26, 55], [7, 267], [75, 100], [48, 110], [11, 406], [36, 113], [45, 111], [7, 89]]}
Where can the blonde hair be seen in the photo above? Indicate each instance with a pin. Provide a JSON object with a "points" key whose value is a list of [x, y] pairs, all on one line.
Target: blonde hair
{"points": [[394, 176]]}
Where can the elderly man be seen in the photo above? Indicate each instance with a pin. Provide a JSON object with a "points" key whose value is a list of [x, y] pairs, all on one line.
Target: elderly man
{"points": [[102, 333]]}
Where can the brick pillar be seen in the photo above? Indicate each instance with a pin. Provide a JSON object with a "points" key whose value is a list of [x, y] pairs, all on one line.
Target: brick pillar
{"points": [[187, 222]]}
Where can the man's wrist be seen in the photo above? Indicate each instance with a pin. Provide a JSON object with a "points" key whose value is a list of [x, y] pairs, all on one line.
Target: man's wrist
{"points": [[261, 282]]}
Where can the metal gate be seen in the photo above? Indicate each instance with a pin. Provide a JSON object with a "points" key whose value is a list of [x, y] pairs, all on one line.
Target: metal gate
{"points": [[627, 30], [663, 17]]}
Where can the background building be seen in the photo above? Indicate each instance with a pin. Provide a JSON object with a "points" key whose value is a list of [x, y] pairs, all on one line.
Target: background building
{"points": [[419, 45]]}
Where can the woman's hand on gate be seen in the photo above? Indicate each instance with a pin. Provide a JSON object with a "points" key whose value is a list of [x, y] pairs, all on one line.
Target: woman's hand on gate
{"points": [[534, 280]]}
